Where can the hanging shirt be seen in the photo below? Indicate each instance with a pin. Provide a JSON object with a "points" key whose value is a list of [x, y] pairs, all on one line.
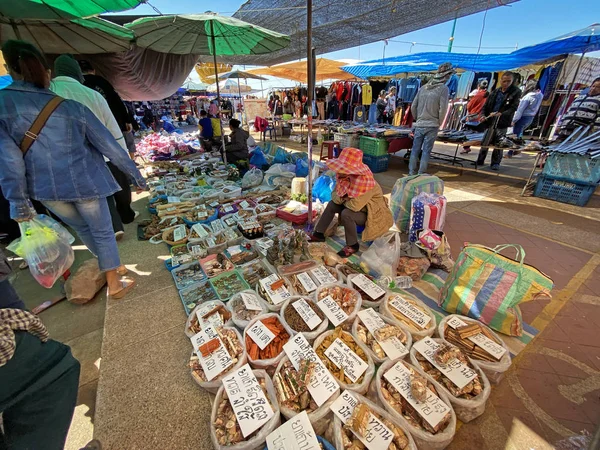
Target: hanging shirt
{"points": [[464, 84], [408, 88], [452, 85], [529, 105]]}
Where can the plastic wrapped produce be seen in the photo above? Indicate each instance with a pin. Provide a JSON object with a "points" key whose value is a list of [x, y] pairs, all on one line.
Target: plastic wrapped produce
{"points": [[410, 312]]}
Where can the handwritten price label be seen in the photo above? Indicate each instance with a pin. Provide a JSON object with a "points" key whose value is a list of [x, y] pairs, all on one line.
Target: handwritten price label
{"points": [[410, 311], [344, 358], [296, 434], [367, 286], [455, 322], [260, 334], [306, 281], [278, 296], [179, 233], [251, 301], [332, 310], [322, 275], [457, 372], [491, 347], [392, 347], [218, 361], [306, 312], [200, 230]]}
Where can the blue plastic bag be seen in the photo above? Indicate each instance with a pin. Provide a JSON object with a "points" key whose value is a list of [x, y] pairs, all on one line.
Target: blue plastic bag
{"points": [[301, 168], [323, 187], [258, 158], [281, 156]]}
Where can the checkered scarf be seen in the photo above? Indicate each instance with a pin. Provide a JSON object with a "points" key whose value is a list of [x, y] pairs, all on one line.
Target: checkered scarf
{"points": [[354, 185], [12, 320]]}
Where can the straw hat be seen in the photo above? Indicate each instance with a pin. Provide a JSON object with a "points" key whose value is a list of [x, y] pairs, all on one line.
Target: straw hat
{"points": [[349, 163]]}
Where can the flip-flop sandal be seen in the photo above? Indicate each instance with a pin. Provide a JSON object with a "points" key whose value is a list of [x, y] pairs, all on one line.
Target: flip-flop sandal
{"points": [[127, 284], [24, 265], [347, 251], [122, 271]]}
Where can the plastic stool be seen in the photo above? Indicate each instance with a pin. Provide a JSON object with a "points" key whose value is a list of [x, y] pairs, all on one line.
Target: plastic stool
{"points": [[331, 145]]}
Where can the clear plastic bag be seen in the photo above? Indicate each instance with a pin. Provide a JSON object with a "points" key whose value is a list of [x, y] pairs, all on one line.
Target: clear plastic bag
{"points": [[385, 309], [381, 258], [334, 432], [320, 417], [376, 359], [205, 306], [425, 440], [257, 441], [309, 335], [466, 410], [46, 246], [267, 364], [347, 324], [363, 386], [237, 300], [213, 385], [493, 370], [252, 178]]}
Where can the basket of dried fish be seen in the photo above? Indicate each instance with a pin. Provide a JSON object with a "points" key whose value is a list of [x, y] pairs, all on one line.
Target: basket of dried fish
{"points": [[264, 338], [413, 399], [291, 386], [244, 307], [211, 312], [341, 301], [255, 271], [214, 265], [479, 343], [188, 274], [302, 315], [227, 284], [385, 338], [362, 420], [346, 358], [372, 294], [196, 294], [225, 431], [411, 312], [223, 344], [456, 375]]}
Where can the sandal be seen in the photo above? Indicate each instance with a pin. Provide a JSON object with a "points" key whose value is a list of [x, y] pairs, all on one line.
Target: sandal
{"points": [[347, 251], [127, 284], [122, 271], [314, 238]]}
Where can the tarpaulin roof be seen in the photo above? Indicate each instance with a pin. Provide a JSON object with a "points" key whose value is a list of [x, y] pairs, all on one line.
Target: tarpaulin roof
{"points": [[341, 25], [206, 70], [327, 69], [585, 40]]}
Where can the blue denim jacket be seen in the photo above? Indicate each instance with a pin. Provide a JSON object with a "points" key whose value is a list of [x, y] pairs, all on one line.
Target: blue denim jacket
{"points": [[65, 163]]}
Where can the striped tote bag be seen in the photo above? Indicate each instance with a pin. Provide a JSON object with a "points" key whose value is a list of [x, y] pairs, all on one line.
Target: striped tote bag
{"points": [[489, 287]]}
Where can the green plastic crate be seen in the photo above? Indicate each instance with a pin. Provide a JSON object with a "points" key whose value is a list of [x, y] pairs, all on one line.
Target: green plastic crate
{"points": [[373, 146]]}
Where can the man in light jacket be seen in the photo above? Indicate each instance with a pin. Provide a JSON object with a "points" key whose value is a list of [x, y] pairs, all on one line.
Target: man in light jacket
{"points": [[429, 109]]}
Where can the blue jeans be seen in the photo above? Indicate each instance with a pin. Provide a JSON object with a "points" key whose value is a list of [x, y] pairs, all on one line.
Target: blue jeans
{"points": [[422, 146], [522, 124], [91, 220]]}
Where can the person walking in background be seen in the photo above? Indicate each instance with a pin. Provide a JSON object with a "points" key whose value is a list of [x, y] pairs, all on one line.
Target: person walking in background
{"points": [[381, 103], [474, 117], [529, 105], [68, 84], [500, 106], [63, 166], [390, 108], [429, 109]]}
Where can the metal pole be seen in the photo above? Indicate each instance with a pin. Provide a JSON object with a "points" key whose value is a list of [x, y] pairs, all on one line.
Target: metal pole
{"points": [[311, 87], [451, 40], [562, 110], [214, 51]]}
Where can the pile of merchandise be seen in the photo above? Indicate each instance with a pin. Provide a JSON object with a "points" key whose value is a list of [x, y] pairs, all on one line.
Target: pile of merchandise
{"points": [[164, 146]]}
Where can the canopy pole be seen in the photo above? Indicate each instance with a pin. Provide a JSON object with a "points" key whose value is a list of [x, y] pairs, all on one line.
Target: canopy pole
{"points": [[311, 88], [214, 51]]}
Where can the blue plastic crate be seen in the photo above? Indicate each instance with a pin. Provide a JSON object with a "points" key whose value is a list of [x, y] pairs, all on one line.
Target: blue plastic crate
{"points": [[575, 167], [564, 190], [377, 163]]}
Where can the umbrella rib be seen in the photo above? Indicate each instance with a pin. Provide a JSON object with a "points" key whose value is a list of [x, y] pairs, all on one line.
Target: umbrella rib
{"points": [[59, 37], [105, 36], [32, 35]]}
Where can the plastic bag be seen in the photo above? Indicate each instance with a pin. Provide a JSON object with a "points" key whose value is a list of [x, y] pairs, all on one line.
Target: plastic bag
{"points": [[257, 159], [466, 410], [281, 156], [237, 300], [493, 370], [309, 335], [213, 385], [301, 168], [334, 433], [260, 436], [386, 309], [414, 268], [424, 439], [363, 386], [205, 307], [381, 258], [323, 187], [267, 364], [320, 417], [347, 324], [46, 246], [376, 359], [252, 178]]}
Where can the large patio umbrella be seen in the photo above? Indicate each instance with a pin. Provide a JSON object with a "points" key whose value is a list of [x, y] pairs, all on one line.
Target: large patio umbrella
{"points": [[236, 75], [206, 70], [230, 87], [205, 34], [327, 69], [62, 9], [76, 36]]}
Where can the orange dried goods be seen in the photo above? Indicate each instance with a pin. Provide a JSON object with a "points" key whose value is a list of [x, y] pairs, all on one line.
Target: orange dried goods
{"points": [[275, 347]]}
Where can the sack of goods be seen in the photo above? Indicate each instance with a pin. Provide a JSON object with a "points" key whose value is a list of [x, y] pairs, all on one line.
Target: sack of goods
{"points": [[428, 212]]}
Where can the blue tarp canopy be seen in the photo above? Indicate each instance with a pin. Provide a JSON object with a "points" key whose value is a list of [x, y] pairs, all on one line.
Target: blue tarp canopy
{"points": [[581, 41]]}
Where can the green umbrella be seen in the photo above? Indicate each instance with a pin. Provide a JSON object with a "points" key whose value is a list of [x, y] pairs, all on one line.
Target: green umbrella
{"points": [[205, 34], [62, 9], [77, 36]]}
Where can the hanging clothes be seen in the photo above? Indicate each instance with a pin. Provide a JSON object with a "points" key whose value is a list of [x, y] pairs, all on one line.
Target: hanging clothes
{"points": [[397, 117], [359, 114], [408, 88], [367, 94], [452, 85], [464, 84]]}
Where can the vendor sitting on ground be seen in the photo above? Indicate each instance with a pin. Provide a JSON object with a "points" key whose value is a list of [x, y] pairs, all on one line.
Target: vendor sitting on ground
{"points": [[237, 148], [358, 200], [206, 130]]}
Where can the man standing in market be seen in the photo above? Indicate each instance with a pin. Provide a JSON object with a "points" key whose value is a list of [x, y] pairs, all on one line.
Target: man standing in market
{"points": [[499, 109], [584, 111], [429, 109]]}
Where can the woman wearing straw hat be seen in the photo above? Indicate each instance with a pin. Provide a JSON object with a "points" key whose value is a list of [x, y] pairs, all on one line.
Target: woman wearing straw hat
{"points": [[358, 200]]}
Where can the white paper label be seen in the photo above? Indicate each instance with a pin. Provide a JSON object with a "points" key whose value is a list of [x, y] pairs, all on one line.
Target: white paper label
{"points": [[216, 226], [211, 242], [265, 243], [251, 301], [228, 209], [214, 204], [322, 275], [306, 281], [246, 397], [296, 434], [173, 199], [433, 410], [260, 334], [234, 250], [368, 287], [410, 311], [214, 319], [179, 233], [202, 215], [377, 435], [218, 361], [278, 296], [332, 310], [306, 312], [244, 204], [322, 383], [392, 347], [196, 250], [491, 347], [230, 221], [457, 372], [344, 358], [455, 322]]}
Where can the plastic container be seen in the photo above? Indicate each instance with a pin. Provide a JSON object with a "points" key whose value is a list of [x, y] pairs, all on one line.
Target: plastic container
{"points": [[493, 370], [466, 410], [272, 307], [260, 436], [204, 263], [347, 140], [377, 164], [198, 239], [270, 365], [564, 190], [424, 439], [210, 218], [309, 335], [234, 277], [236, 300], [231, 191], [191, 299], [582, 168], [376, 359], [183, 284], [254, 271], [417, 334], [373, 146]]}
